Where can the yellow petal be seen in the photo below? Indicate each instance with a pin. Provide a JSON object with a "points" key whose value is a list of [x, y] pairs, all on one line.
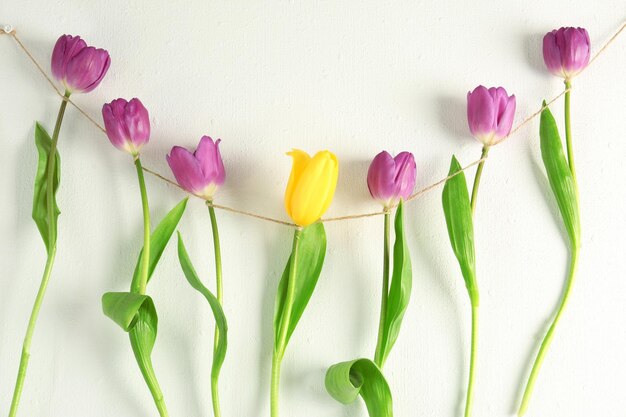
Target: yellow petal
{"points": [[313, 193], [300, 161]]}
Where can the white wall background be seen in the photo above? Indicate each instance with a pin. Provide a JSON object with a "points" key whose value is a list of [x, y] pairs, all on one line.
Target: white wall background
{"points": [[354, 77]]}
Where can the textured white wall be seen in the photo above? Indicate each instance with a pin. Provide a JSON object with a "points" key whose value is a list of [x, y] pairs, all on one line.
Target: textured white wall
{"points": [[354, 77]]}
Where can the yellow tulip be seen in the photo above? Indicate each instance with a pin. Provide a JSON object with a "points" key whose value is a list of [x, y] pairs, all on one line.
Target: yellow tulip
{"points": [[311, 186]]}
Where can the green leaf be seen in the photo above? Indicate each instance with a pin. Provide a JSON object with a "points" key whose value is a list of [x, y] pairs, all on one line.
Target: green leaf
{"points": [[40, 203], [124, 307], [311, 252], [136, 314], [347, 380], [220, 319], [158, 240], [400, 288], [456, 207], [560, 176]]}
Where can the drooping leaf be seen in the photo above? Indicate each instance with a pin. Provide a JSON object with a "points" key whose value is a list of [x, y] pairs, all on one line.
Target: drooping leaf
{"points": [[311, 252], [158, 240], [41, 211], [124, 307], [400, 288], [458, 213], [345, 381], [218, 313], [560, 176]]}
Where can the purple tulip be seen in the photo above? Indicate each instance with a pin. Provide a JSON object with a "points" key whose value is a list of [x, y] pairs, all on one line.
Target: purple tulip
{"points": [[127, 124], [202, 172], [490, 114], [389, 179], [566, 51], [79, 67]]}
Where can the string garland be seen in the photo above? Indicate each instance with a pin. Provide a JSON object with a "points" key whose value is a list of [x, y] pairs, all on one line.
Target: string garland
{"points": [[9, 30]]}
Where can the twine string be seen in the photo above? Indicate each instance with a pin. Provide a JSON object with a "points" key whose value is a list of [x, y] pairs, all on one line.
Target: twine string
{"points": [[8, 30]]}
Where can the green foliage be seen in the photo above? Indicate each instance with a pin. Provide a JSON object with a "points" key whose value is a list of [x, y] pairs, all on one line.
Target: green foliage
{"points": [[560, 176], [458, 213], [158, 241], [41, 211], [311, 252], [400, 288], [345, 381], [220, 319]]}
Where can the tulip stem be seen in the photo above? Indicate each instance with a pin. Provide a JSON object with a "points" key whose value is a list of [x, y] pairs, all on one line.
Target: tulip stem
{"points": [[469, 401], [568, 130], [215, 372], [140, 285], [479, 173], [281, 343], [547, 340], [51, 253], [379, 354]]}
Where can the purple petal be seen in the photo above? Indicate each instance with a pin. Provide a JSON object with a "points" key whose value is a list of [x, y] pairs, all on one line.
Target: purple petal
{"points": [[380, 177], [66, 48], [208, 154], [186, 169], [481, 112], [405, 175], [85, 71]]}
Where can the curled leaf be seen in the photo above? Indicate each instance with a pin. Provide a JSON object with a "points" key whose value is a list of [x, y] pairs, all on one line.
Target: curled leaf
{"points": [[345, 381]]}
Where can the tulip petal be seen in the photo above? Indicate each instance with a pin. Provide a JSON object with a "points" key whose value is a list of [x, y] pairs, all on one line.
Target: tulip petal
{"points": [[315, 188], [208, 154], [186, 169], [300, 161], [380, 177]]}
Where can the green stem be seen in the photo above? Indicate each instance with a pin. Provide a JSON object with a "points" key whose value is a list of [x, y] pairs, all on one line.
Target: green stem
{"points": [[279, 348], [479, 172], [469, 401], [568, 131], [140, 286], [379, 354], [51, 253], [218, 277], [545, 344]]}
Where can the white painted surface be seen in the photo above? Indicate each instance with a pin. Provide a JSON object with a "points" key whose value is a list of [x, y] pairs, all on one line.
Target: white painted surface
{"points": [[354, 77]]}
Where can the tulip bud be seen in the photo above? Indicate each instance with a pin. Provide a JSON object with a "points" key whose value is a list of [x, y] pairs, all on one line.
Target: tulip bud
{"points": [[79, 67], [490, 114], [202, 172], [311, 186], [390, 179], [127, 124], [566, 51]]}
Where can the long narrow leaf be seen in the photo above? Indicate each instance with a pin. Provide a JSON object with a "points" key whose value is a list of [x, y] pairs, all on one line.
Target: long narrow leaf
{"points": [[458, 213], [40, 202], [216, 308], [345, 381], [311, 252], [159, 239], [400, 288], [560, 176]]}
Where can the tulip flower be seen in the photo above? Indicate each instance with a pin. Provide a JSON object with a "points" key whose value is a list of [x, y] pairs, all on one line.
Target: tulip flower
{"points": [[79, 67], [490, 114], [127, 124], [202, 172], [311, 186], [390, 179], [566, 51]]}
